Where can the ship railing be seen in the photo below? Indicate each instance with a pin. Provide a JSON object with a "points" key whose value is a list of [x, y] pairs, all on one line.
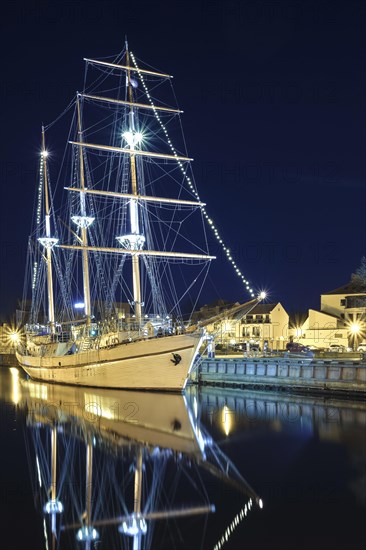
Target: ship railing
{"points": [[64, 336]]}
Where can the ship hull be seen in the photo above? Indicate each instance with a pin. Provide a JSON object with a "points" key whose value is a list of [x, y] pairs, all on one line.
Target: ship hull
{"points": [[153, 364]]}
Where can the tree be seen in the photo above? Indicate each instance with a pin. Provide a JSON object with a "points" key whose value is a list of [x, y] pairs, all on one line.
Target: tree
{"points": [[359, 277]]}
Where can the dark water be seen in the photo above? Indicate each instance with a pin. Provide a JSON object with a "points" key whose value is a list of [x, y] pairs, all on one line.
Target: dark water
{"points": [[304, 457]]}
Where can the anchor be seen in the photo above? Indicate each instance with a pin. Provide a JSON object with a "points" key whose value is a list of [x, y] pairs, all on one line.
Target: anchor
{"points": [[177, 358]]}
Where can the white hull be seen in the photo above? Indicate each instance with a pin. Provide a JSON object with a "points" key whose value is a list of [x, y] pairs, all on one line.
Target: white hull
{"points": [[153, 364]]}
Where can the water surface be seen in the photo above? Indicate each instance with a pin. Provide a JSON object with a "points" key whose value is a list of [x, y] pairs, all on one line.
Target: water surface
{"points": [[304, 457]]}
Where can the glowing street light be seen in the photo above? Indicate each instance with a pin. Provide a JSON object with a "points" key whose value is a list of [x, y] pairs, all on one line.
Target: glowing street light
{"points": [[13, 337], [298, 332], [355, 329]]}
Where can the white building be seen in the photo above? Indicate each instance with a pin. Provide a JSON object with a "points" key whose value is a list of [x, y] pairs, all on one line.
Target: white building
{"points": [[265, 324], [341, 320]]}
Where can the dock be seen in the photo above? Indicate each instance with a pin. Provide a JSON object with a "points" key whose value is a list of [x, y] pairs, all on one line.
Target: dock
{"points": [[306, 375]]}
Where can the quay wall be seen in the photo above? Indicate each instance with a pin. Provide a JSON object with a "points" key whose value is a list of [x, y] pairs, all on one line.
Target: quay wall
{"points": [[284, 373], [8, 360]]}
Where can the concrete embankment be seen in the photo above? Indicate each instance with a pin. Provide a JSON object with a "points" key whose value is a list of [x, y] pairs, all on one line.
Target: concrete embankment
{"points": [[283, 373], [8, 360]]}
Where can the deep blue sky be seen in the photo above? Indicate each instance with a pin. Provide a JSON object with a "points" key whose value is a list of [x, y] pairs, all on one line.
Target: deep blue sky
{"points": [[274, 102]]}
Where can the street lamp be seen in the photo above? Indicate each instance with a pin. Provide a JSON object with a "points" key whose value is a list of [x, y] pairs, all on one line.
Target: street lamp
{"points": [[13, 338], [355, 329], [298, 332]]}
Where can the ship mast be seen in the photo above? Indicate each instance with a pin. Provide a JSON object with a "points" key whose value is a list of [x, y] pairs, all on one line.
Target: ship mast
{"points": [[83, 222], [133, 241], [136, 241], [48, 242]]}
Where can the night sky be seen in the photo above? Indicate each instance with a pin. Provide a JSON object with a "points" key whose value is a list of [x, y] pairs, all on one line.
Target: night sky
{"points": [[273, 95]]}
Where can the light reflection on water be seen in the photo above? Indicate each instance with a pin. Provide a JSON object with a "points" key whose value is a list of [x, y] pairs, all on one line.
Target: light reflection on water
{"points": [[232, 410], [304, 456]]}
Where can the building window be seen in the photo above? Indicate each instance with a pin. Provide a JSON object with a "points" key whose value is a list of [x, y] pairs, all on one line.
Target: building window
{"points": [[356, 301], [343, 302]]}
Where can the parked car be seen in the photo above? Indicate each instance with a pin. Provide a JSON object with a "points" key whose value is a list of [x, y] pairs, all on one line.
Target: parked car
{"points": [[237, 347], [337, 348], [255, 347], [317, 348], [362, 347], [295, 347]]}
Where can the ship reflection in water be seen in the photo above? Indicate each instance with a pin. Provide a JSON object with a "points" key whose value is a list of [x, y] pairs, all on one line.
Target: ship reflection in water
{"points": [[122, 469], [125, 469]]}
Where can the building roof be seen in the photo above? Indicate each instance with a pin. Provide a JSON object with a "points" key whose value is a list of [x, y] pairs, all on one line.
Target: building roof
{"points": [[349, 288], [327, 314]]}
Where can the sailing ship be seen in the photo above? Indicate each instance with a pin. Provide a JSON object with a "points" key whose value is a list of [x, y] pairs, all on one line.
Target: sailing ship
{"points": [[135, 446], [123, 235]]}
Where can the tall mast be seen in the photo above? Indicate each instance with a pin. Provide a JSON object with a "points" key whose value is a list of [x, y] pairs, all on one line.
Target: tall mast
{"points": [[48, 242], [136, 240], [83, 221]]}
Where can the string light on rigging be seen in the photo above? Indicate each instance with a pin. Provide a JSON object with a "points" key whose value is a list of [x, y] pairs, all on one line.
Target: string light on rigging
{"points": [[189, 181]]}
